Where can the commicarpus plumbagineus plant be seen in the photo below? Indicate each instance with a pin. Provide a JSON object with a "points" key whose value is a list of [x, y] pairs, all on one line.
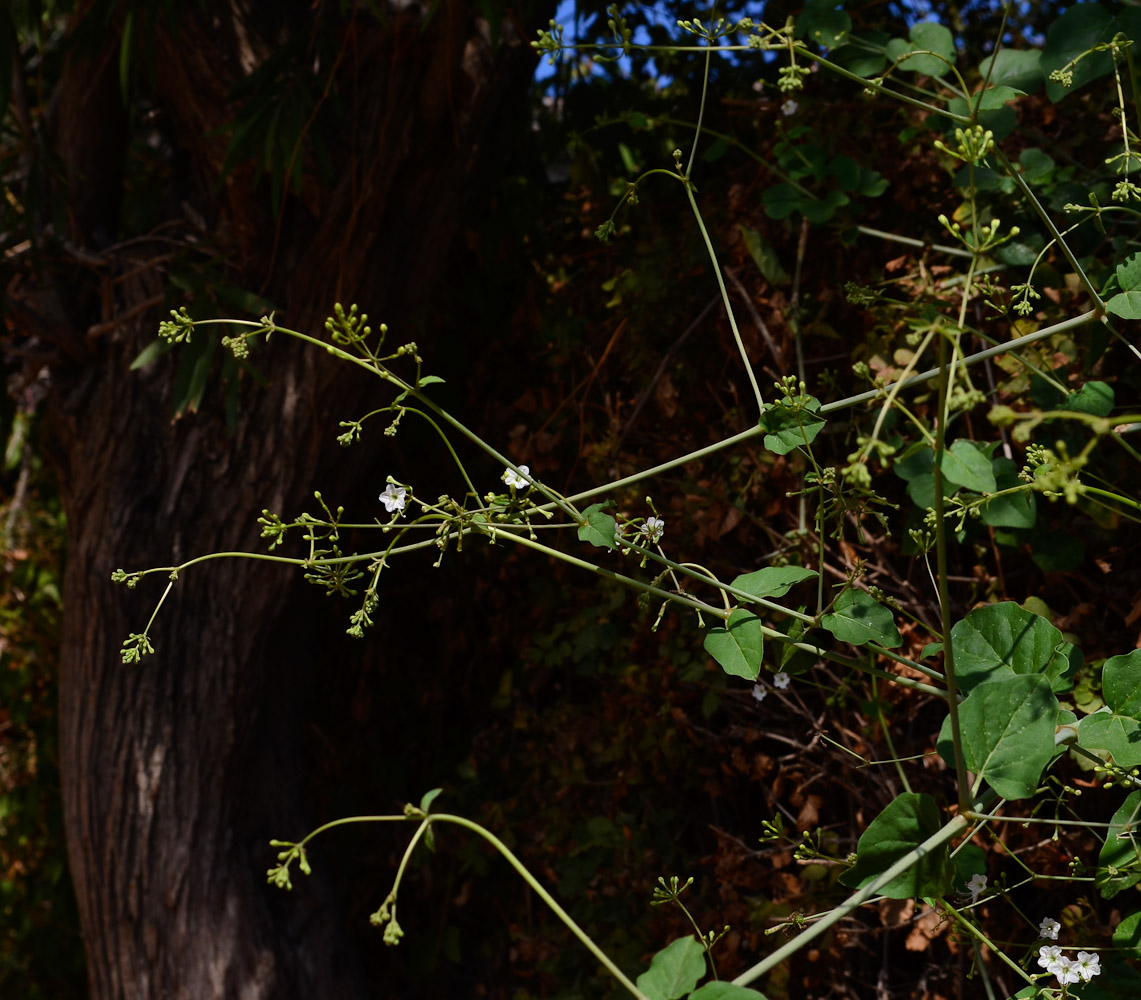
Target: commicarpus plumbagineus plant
{"points": [[1003, 673]]}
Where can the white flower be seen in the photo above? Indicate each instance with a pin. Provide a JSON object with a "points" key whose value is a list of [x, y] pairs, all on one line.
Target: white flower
{"points": [[1088, 965], [653, 529], [1049, 928], [781, 680], [975, 887], [1064, 970], [789, 107], [512, 478], [759, 692], [394, 497], [1048, 954]]}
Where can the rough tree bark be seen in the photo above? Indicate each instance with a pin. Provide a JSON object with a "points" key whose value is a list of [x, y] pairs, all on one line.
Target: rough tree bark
{"points": [[177, 770]]}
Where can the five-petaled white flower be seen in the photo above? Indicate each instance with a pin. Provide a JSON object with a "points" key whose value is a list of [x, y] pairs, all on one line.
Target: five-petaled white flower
{"points": [[1088, 965], [1064, 970], [1049, 928], [781, 680], [759, 692], [394, 497], [789, 107], [513, 478], [975, 887], [653, 529], [1048, 954]]}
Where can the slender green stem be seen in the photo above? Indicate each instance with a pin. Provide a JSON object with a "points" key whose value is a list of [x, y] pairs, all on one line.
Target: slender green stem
{"points": [[841, 404], [971, 929], [946, 378], [700, 111], [880, 89], [911, 242], [1052, 821], [1128, 501], [1099, 305], [545, 896], [154, 614], [886, 730], [956, 826], [426, 819], [725, 298], [626, 581], [448, 445], [1121, 775]]}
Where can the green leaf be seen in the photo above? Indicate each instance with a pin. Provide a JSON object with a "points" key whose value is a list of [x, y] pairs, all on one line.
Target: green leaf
{"points": [[773, 581], [781, 200], [858, 618], [1004, 640], [916, 461], [907, 821], [126, 42], [674, 970], [1127, 305], [1096, 398], [929, 37], [821, 210], [193, 373], [598, 527], [738, 646], [1129, 273], [970, 859], [862, 61], [716, 151], [152, 352], [1016, 510], [788, 427], [1008, 733], [1120, 861], [871, 183], [1079, 29], [1117, 727], [1056, 551], [428, 798], [1037, 166], [967, 464], [428, 380], [764, 256], [995, 97], [725, 991], [822, 23], [1014, 68], [1127, 934]]}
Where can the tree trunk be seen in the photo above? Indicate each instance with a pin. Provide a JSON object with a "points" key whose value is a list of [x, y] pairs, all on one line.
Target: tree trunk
{"points": [[177, 770]]}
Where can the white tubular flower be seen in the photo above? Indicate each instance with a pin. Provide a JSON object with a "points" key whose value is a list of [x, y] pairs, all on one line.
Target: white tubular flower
{"points": [[1049, 928], [789, 107], [1048, 954], [759, 693], [975, 887], [513, 478], [394, 497], [1088, 965], [781, 680], [653, 529]]}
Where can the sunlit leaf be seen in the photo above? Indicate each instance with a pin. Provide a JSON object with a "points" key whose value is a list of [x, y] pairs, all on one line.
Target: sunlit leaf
{"points": [[858, 618], [674, 970], [907, 821], [739, 646], [1008, 733]]}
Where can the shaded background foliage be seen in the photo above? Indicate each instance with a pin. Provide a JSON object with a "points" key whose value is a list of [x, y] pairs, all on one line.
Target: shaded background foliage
{"points": [[606, 752]]}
